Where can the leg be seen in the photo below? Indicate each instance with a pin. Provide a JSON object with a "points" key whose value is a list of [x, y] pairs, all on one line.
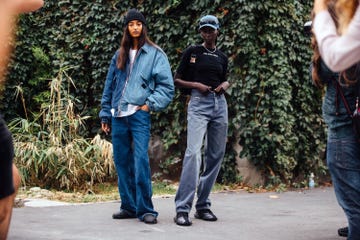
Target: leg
{"points": [[6, 205], [344, 164], [16, 177], [140, 129], [215, 145], [196, 129], [124, 163]]}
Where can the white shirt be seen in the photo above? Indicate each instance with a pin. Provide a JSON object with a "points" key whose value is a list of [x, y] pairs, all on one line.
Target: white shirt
{"points": [[338, 52], [131, 108]]}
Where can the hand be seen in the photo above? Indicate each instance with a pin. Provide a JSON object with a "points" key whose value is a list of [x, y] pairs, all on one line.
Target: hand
{"points": [[144, 108], [320, 5], [219, 90], [202, 87], [222, 88], [105, 128]]}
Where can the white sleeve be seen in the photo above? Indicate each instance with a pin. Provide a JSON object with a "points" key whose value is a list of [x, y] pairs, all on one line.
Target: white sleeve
{"points": [[338, 52]]}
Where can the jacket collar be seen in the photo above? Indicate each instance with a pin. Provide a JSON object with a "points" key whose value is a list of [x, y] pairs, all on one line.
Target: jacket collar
{"points": [[146, 48]]}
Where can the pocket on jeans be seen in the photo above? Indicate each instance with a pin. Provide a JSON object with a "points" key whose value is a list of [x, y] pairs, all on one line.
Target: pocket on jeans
{"points": [[349, 155]]}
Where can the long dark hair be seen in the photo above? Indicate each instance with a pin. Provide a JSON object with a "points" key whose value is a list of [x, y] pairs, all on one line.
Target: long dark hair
{"points": [[345, 10], [316, 58], [126, 44]]}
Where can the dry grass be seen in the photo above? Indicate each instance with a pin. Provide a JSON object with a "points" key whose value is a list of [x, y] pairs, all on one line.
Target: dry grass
{"points": [[50, 151]]}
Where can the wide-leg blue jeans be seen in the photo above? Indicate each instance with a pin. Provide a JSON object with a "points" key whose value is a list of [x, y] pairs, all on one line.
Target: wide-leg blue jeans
{"points": [[343, 159], [130, 139], [207, 125]]}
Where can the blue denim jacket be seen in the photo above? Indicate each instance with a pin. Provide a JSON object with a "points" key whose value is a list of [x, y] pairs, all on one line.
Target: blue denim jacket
{"points": [[149, 82]]}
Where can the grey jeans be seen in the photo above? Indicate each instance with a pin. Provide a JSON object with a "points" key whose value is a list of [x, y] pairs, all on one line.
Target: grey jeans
{"points": [[207, 125]]}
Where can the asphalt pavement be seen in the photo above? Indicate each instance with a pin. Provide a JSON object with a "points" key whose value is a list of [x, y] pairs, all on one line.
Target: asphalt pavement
{"points": [[294, 215]]}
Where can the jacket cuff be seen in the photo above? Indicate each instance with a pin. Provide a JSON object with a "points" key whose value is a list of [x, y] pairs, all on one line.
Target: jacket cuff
{"points": [[105, 120], [148, 103]]}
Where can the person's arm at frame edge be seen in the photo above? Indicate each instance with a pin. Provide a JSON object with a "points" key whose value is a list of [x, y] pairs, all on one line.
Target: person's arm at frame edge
{"points": [[338, 52]]}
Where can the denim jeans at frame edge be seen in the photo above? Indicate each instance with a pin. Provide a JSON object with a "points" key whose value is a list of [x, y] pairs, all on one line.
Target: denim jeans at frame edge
{"points": [[207, 118], [130, 138], [343, 159]]}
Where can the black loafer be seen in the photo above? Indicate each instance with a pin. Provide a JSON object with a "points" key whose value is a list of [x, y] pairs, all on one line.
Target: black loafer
{"points": [[205, 214], [343, 232], [149, 219], [182, 219], [123, 214]]}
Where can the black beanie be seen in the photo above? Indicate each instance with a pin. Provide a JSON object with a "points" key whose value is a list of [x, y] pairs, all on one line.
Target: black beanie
{"points": [[134, 14]]}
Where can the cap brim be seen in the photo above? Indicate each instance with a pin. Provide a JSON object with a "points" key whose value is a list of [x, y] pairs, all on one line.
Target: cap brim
{"points": [[208, 25]]}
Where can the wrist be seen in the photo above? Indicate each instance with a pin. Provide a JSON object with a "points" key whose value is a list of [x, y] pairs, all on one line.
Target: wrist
{"points": [[105, 120]]}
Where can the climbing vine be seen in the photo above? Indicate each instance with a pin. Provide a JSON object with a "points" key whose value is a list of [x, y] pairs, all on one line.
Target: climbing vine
{"points": [[274, 110]]}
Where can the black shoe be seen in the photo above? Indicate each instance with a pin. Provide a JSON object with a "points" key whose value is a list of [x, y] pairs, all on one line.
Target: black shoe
{"points": [[205, 214], [123, 214], [149, 219], [343, 232], [182, 219]]}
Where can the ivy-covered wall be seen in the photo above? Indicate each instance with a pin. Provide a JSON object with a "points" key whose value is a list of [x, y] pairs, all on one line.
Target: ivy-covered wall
{"points": [[273, 106]]}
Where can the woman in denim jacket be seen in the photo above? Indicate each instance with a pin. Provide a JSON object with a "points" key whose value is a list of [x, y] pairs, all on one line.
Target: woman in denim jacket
{"points": [[139, 80], [343, 149]]}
